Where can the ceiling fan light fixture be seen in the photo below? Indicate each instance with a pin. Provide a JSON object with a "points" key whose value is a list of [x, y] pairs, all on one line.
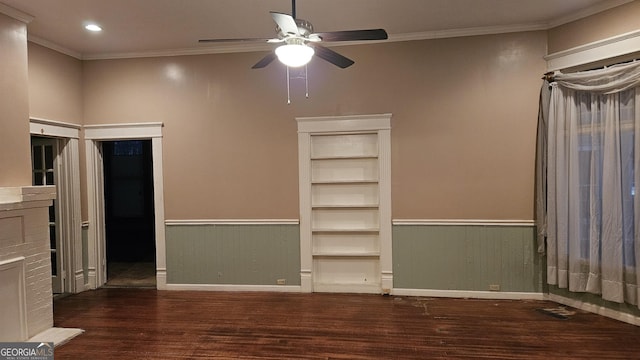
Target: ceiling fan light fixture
{"points": [[294, 55], [93, 27]]}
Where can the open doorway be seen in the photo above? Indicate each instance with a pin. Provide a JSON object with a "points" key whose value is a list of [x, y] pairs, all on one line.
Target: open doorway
{"points": [[129, 213], [95, 136]]}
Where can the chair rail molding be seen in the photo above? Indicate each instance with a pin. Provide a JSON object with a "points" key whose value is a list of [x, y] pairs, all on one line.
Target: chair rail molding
{"points": [[462, 222]]}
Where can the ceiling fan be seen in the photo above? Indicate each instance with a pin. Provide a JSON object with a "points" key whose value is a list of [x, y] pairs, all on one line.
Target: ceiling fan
{"points": [[299, 43]]}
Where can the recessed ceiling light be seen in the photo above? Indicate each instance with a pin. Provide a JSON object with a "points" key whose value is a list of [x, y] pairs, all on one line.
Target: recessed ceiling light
{"points": [[93, 27]]}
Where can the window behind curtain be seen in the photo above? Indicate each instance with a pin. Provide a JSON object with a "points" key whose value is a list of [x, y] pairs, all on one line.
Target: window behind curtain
{"points": [[591, 129]]}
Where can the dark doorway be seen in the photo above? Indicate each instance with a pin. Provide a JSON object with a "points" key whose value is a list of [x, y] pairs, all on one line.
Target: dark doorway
{"points": [[129, 213]]}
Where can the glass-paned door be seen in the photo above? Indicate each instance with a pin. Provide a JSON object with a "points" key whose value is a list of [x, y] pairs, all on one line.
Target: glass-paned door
{"points": [[44, 153]]}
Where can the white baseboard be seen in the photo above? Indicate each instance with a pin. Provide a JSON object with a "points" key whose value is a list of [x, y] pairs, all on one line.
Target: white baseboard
{"points": [[348, 288], [402, 292], [161, 279], [306, 281], [386, 282], [92, 279], [79, 285], [225, 287], [497, 295], [596, 309]]}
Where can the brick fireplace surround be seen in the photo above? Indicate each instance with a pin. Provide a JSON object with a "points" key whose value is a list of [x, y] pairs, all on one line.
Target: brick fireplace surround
{"points": [[26, 301]]}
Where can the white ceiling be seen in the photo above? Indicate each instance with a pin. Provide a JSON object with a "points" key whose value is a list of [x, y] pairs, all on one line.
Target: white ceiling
{"points": [[160, 27]]}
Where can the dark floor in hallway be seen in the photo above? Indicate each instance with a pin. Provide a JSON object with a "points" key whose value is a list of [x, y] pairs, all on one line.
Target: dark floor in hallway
{"points": [[131, 274]]}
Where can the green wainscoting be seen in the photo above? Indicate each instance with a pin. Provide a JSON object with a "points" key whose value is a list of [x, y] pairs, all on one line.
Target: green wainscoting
{"points": [[466, 257], [233, 254], [433, 257]]}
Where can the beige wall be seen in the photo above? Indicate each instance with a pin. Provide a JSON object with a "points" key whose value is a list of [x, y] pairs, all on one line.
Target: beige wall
{"points": [[55, 85], [463, 126], [230, 145], [464, 112], [15, 153], [616, 21], [463, 141], [55, 93]]}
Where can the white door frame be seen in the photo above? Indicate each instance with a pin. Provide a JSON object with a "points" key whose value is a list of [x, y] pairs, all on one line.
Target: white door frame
{"points": [[68, 198], [58, 268], [93, 135], [307, 126]]}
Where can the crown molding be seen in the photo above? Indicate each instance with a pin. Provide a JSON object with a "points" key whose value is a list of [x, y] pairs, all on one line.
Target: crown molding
{"points": [[216, 49], [15, 13], [257, 47], [53, 46], [463, 32], [244, 47]]}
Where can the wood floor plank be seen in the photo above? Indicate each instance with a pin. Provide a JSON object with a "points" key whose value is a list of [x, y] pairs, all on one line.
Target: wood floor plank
{"points": [[151, 324]]}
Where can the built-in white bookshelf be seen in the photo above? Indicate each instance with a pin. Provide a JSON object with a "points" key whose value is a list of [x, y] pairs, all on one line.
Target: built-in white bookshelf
{"points": [[345, 204]]}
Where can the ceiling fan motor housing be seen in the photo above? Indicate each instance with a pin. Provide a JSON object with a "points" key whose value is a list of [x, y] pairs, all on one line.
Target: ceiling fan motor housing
{"points": [[305, 28]]}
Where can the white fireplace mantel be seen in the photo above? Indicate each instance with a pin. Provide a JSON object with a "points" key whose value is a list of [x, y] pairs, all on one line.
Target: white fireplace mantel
{"points": [[25, 197]]}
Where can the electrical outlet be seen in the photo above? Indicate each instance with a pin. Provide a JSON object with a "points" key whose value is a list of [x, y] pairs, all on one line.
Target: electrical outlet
{"points": [[494, 287], [281, 281]]}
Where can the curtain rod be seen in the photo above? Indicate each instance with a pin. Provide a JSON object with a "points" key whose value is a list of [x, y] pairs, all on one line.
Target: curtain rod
{"points": [[550, 76]]}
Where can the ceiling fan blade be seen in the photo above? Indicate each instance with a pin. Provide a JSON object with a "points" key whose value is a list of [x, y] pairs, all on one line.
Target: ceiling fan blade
{"points": [[354, 35], [331, 56], [286, 23], [233, 40], [268, 59]]}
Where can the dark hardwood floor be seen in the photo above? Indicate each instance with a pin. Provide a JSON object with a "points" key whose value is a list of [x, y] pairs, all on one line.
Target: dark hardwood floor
{"points": [[149, 324]]}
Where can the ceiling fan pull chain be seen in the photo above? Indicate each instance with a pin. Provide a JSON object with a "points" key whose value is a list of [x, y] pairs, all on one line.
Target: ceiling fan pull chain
{"points": [[306, 80], [288, 91]]}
